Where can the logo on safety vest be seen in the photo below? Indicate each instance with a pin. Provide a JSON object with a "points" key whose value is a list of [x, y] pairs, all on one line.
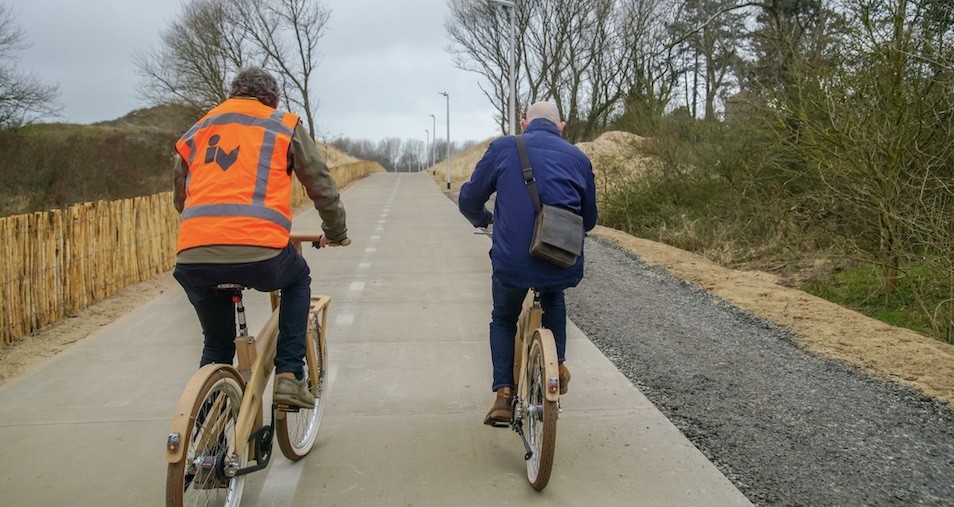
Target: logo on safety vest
{"points": [[219, 156]]}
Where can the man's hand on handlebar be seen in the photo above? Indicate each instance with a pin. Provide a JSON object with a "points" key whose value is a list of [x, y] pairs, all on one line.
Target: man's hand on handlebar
{"points": [[323, 241], [487, 230]]}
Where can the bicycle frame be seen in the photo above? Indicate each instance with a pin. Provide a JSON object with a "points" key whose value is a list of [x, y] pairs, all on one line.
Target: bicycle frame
{"points": [[530, 323], [256, 357]]}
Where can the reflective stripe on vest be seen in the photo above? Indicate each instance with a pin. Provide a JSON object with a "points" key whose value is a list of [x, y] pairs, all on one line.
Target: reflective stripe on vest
{"points": [[262, 219]]}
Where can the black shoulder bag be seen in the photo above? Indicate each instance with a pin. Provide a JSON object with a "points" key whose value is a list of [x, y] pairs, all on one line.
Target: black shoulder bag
{"points": [[557, 233]]}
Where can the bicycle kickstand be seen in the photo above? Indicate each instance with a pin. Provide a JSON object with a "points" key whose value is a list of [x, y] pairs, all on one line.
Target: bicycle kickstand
{"points": [[518, 428]]}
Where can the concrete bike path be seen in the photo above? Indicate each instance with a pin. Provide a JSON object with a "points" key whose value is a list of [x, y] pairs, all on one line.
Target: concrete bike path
{"points": [[410, 384]]}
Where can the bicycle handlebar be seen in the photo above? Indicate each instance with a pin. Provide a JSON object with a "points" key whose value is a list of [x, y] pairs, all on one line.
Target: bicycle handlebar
{"points": [[298, 238], [301, 238]]}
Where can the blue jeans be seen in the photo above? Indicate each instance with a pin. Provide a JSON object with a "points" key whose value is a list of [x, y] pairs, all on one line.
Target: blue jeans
{"points": [[287, 271], [508, 302]]}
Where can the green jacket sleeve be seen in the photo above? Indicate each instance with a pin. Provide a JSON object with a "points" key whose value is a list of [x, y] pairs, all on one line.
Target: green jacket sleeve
{"points": [[313, 173], [179, 172]]}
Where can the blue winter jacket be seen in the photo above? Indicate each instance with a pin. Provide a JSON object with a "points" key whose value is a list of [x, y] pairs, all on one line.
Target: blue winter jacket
{"points": [[564, 178]]}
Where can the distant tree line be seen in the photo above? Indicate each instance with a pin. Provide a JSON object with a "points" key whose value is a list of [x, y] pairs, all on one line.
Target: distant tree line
{"points": [[396, 155]]}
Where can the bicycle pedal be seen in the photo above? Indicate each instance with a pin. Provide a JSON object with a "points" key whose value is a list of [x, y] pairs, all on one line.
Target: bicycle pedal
{"points": [[499, 424]]}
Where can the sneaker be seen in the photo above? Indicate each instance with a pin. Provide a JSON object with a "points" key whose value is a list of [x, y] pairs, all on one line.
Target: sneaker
{"points": [[502, 412], [564, 378], [289, 391]]}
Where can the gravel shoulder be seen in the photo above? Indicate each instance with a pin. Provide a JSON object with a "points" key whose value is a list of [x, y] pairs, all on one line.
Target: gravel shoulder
{"points": [[789, 421], [821, 327]]}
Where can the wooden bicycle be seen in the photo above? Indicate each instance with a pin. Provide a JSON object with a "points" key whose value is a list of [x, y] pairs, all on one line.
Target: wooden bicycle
{"points": [[536, 402], [218, 434]]}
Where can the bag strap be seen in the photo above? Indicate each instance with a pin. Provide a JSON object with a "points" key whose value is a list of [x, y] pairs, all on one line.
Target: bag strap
{"points": [[528, 178]]}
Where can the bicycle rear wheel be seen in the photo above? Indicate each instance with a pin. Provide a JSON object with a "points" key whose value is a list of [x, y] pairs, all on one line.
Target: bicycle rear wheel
{"points": [[198, 478], [541, 415], [296, 430]]}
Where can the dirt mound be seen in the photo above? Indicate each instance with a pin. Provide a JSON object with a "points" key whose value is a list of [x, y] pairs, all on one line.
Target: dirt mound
{"points": [[614, 155], [612, 144]]}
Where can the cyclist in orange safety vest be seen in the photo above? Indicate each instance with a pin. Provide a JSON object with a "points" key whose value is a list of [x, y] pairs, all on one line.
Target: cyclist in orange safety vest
{"points": [[232, 186]]}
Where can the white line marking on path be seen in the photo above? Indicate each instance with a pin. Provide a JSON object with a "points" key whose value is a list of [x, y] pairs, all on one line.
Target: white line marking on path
{"points": [[282, 481]]}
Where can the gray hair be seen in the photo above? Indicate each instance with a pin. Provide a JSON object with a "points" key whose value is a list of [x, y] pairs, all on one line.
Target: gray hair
{"points": [[256, 82]]}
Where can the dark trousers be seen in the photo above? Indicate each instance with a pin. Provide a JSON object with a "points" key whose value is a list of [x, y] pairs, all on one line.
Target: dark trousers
{"points": [[287, 271], [508, 301]]}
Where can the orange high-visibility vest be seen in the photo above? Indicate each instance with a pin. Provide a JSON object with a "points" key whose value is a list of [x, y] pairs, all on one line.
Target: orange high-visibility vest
{"points": [[238, 188]]}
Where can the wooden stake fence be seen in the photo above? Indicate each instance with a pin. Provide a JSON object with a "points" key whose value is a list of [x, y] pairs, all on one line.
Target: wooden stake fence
{"points": [[58, 262]]}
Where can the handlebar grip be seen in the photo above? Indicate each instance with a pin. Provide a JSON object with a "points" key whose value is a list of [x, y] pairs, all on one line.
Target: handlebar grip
{"points": [[344, 242]]}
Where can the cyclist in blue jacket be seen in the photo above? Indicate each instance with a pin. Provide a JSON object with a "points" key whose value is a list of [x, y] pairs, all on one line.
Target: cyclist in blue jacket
{"points": [[564, 177]]}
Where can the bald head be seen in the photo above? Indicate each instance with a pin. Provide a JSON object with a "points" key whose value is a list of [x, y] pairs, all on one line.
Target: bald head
{"points": [[543, 110]]}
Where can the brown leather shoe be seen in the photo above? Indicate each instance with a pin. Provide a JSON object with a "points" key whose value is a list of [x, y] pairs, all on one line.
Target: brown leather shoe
{"points": [[289, 391], [502, 411], [564, 378]]}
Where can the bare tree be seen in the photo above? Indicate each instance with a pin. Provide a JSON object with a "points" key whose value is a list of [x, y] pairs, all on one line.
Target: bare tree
{"points": [[712, 32], [569, 52], [479, 38], [200, 51], [586, 68], [287, 33], [23, 97], [648, 87], [213, 39]]}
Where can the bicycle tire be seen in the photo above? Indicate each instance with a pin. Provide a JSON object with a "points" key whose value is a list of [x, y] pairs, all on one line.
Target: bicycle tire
{"points": [[541, 416], [297, 431], [193, 480]]}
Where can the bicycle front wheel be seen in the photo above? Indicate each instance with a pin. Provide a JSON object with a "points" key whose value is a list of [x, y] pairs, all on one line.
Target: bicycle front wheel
{"points": [[541, 413], [199, 477], [296, 430]]}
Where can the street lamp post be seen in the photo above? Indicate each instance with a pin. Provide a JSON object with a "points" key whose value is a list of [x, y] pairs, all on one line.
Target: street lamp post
{"points": [[447, 151], [427, 143], [511, 10], [433, 124]]}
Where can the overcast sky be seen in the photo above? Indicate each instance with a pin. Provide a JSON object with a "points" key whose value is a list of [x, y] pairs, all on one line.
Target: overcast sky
{"points": [[382, 64]]}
